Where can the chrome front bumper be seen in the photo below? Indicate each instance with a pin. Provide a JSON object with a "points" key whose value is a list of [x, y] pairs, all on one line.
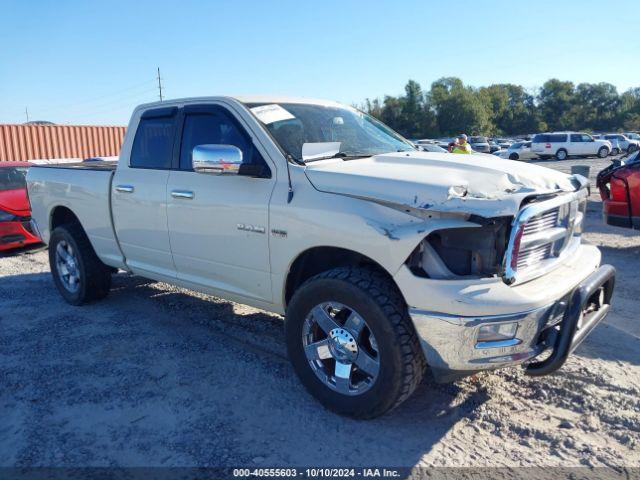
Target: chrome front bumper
{"points": [[450, 343]]}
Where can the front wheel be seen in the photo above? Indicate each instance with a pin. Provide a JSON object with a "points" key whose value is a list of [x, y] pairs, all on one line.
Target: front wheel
{"points": [[513, 156], [352, 343], [615, 151], [77, 271], [603, 152], [632, 148]]}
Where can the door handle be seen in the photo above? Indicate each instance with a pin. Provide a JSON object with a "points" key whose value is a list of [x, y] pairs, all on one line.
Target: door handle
{"points": [[124, 188], [183, 194]]}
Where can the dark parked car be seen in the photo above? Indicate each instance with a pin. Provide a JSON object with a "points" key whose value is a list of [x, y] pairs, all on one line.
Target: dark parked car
{"points": [[480, 144]]}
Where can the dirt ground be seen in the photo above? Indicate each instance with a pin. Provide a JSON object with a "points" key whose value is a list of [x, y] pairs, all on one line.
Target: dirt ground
{"points": [[159, 376]]}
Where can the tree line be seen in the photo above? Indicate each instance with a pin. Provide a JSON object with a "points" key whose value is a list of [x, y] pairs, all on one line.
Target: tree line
{"points": [[450, 107]]}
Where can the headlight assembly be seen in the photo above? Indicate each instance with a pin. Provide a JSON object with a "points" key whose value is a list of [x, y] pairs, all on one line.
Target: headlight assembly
{"points": [[459, 252]]}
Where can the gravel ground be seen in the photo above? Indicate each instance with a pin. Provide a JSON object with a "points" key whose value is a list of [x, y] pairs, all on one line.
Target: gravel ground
{"points": [[159, 376]]}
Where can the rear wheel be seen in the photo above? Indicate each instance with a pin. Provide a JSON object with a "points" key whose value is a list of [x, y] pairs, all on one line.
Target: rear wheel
{"points": [[632, 148], [352, 343], [615, 151], [77, 271], [603, 152], [561, 154], [514, 156]]}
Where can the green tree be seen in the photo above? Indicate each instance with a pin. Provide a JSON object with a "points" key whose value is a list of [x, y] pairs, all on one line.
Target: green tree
{"points": [[596, 106], [450, 107], [629, 114], [555, 101], [512, 109], [458, 108]]}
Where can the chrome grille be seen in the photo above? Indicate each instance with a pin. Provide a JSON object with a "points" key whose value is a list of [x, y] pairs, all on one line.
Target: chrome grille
{"points": [[533, 255], [543, 234], [542, 222]]}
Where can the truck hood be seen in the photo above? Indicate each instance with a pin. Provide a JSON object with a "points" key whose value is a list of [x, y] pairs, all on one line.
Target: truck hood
{"points": [[484, 185]]}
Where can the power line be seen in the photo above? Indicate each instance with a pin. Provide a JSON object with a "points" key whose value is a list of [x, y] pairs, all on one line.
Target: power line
{"points": [[87, 101], [129, 104], [159, 84], [114, 101]]}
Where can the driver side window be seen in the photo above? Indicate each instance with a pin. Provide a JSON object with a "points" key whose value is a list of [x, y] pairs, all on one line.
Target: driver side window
{"points": [[212, 126]]}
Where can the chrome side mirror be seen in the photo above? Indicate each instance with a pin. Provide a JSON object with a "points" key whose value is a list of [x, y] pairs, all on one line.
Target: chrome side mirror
{"points": [[216, 159]]}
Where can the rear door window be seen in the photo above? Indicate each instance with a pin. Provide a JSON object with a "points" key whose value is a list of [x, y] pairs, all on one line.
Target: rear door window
{"points": [[153, 143], [557, 138]]}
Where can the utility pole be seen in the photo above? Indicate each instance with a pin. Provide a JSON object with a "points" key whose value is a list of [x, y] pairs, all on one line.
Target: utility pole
{"points": [[26, 112], [159, 84]]}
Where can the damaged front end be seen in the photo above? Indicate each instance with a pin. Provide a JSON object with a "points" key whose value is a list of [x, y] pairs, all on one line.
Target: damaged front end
{"points": [[545, 231], [453, 253]]}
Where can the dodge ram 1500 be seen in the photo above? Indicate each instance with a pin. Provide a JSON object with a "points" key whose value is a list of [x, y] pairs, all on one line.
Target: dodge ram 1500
{"points": [[384, 260]]}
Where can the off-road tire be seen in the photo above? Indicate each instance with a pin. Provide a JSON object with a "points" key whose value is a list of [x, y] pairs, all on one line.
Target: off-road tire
{"points": [[95, 276], [377, 299]]}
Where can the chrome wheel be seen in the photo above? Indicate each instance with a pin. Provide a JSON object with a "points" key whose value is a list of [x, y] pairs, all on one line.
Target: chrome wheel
{"points": [[341, 348], [67, 266]]}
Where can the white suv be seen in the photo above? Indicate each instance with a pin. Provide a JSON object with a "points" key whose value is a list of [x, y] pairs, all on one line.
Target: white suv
{"points": [[625, 144], [564, 144]]}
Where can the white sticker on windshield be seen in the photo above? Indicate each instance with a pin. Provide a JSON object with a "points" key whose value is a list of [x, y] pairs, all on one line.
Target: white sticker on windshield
{"points": [[312, 150], [271, 113]]}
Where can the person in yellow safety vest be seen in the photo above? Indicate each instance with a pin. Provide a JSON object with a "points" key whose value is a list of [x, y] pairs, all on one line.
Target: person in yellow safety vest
{"points": [[462, 146]]}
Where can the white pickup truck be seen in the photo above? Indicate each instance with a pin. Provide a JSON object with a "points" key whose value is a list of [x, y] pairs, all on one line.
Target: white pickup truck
{"points": [[384, 260]]}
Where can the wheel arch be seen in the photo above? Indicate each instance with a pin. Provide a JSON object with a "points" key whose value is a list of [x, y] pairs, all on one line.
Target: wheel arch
{"points": [[61, 215], [319, 259]]}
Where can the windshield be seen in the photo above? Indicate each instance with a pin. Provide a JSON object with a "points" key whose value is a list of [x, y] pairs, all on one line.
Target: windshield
{"points": [[478, 140], [13, 178], [345, 131]]}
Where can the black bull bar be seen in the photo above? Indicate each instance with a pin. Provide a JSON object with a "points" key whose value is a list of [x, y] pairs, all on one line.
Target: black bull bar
{"points": [[588, 305]]}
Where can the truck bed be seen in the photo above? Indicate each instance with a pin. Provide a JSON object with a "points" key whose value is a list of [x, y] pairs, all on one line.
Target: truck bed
{"points": [[85, 189]]}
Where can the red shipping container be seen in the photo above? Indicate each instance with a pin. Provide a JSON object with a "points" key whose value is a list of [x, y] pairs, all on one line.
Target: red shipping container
{"points": [[35, 142]]}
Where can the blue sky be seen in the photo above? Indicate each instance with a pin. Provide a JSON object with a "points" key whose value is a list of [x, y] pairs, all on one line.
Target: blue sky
{"points": [[92, 62]]}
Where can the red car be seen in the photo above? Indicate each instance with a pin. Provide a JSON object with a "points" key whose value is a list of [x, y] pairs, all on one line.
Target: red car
{"points": [[15, 216], [619, 186]]}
